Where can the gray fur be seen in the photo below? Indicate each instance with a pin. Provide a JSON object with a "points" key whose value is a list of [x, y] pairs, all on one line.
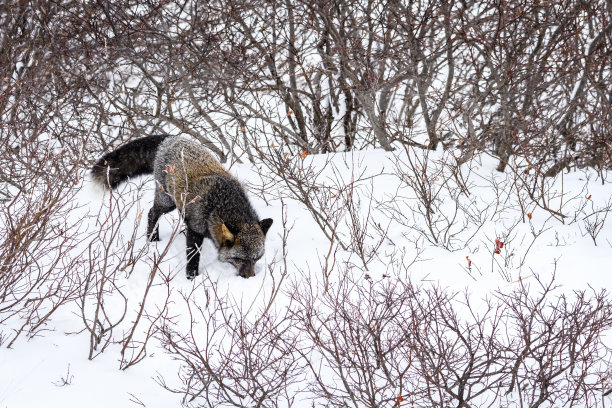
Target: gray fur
{"points": [[213, 203]]}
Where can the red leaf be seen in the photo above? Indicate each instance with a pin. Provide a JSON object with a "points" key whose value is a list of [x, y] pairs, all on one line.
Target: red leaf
{"points": [[498, 245]]}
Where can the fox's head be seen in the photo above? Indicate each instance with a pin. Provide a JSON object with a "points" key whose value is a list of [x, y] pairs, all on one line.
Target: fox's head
{"points": [[241, 245]]}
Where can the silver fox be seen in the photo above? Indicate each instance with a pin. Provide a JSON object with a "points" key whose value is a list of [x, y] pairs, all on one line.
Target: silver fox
{"points": [[213, 203]]}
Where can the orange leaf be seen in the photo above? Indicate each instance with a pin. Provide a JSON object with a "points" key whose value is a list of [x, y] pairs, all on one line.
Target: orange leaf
{"points": [[400, 398], [589, 197], [303, 154], [290, 112], [529, 215], [139, 216]]}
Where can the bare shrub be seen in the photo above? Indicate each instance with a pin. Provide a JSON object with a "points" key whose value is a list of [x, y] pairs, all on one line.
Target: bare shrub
{"points": [[308, 184], [230, 355], [386, 342], [39, 272], [45, 134], [595, 219], [354, 341], [235, 353], [339, 195], [436, 198], [111, 257], [555, 346], [229, 359]]}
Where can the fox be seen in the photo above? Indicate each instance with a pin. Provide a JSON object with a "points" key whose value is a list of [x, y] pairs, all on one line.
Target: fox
{"points": [[213, 204]]}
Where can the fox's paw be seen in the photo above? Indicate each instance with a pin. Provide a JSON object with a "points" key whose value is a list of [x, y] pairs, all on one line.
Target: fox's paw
{"points": [[154, 237], [192, 274]]}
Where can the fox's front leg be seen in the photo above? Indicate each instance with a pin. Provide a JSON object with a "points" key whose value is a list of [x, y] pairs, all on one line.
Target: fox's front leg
{"points": [[194, 243], [152, 227]]}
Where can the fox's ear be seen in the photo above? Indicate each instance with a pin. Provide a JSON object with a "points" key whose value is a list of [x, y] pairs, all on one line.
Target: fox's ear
{"points": [[265, 225], [224, 237], [232, 228]]}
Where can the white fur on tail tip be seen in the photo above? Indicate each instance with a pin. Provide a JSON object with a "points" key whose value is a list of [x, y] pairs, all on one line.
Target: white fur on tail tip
{"points": [[95, 184]]}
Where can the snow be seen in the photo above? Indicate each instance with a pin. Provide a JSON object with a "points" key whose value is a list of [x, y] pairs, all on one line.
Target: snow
{"points": [[53, 369], [34, 374]]}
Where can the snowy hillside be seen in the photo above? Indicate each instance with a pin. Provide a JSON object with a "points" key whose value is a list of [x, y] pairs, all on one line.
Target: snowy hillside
{"points": [[362, 298]]}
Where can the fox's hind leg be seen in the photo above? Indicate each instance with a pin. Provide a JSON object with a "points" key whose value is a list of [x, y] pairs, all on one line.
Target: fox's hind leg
{"points": [[162, 204], [194, 243]]}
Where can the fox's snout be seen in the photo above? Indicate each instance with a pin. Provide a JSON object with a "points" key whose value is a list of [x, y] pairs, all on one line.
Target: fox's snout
{"points": [[246, 269]]}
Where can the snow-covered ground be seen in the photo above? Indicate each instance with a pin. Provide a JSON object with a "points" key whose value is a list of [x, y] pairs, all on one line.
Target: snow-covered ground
{"points": [[53, 369]]}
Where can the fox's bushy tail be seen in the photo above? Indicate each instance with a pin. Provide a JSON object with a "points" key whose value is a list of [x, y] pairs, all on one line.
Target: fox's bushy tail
{"points": [[131, 159]]}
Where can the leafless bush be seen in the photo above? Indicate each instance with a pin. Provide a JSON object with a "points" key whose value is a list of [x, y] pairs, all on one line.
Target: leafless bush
{"points": [[340, 197], [354, 341], [436, 198], [111, 256], [108, 314], [39, 272], [45, 134], [388, 342], [324, 77], [65, 380], [595, 220], [233, 353], [526, 81], [556, 348], [230, 359], [309, 184], [363, 340]]}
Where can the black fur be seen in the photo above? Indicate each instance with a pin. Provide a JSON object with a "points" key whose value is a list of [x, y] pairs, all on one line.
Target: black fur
{"points": [[128, 160]]}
